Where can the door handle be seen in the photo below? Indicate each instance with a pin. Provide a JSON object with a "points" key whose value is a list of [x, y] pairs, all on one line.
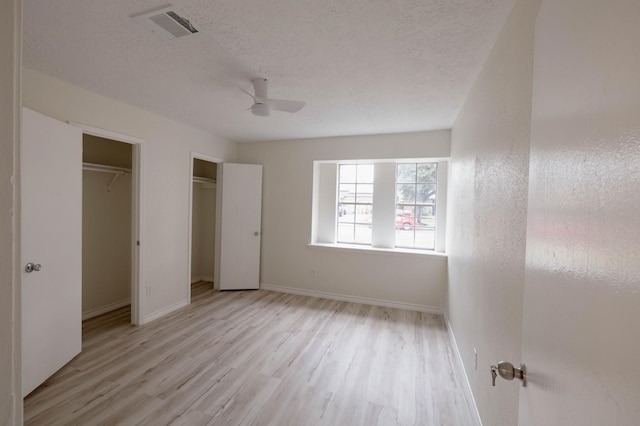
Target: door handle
{"points": [[507, 371], [31, 267]]}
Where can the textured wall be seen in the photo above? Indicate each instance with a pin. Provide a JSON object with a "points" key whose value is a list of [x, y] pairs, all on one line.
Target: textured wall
{"points": [[10, 400], [582, 292], [487, 215]]}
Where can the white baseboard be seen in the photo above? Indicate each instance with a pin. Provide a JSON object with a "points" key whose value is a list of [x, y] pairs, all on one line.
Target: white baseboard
{"points": [[354, 299], [104, 309], [164, 311], [465, 378]]}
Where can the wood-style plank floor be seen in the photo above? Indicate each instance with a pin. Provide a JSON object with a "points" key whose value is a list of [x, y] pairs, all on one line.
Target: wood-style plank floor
{"points": [[258, 358]]}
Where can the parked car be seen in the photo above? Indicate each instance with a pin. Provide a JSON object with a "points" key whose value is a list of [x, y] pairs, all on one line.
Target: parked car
{"points": [[405, 222]]}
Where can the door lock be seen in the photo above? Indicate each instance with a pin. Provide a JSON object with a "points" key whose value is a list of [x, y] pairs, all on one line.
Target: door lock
{"points": [[507, 371], [31, 267]]}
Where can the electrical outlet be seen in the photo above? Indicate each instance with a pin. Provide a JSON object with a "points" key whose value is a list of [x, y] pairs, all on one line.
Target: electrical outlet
{"points": [[475, 359], [148, 290], [313, 273]]}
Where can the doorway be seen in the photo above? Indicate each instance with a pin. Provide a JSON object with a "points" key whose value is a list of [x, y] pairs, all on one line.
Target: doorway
{"points": [[112, 189], [203, 212], [106, 225]]}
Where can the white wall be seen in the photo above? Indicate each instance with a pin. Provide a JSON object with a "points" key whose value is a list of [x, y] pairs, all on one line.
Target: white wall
{"points": [[286, 258], [486, 233], [10, 52], [581, 339], [166, 164]]}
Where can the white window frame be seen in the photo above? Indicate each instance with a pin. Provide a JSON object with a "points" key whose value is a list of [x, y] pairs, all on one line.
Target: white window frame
{"points": [[325, 201], [356, 203]]}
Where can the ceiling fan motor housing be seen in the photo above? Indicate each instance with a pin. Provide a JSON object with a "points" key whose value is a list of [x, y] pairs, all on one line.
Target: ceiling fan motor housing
{"points": [[261, 87]]}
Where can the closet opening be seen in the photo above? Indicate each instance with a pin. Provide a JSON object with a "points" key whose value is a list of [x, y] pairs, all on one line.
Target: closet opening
{"points": [[109, 226], [202, 248]]}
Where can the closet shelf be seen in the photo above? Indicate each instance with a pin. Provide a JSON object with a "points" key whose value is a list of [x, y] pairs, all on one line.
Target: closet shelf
{"points": [[116, 171]]}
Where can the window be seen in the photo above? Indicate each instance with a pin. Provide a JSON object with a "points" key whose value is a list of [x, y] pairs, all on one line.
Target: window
{"points": [[416, 188], [355, 203], [382, 204]]}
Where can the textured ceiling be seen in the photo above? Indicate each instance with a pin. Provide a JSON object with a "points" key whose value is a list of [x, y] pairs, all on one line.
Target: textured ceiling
{"points": [[362, 66]]}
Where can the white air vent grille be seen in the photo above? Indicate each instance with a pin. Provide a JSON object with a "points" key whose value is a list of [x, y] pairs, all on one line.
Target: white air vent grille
{"points": [[166, 23]]}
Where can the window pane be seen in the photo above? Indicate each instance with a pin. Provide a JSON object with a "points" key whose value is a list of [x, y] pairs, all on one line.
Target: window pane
{"points": [[425, 238], [350, 209], [365, 173], [405, 210], [347, 192], [345, 232], [406, 173], [427, 172], [425, 193], [346, 213], [406, 193], [347, 173], [355, 203], [364, 214], [415, 208], [365, 193], [426, 216], [363, 234]]}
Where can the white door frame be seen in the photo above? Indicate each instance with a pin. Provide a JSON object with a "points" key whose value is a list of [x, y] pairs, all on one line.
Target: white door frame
{"points": [[137, 223], [200, 156]]}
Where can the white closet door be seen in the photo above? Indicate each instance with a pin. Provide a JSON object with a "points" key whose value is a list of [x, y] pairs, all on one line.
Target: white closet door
{"points": [[241, 214], [51, 236]]}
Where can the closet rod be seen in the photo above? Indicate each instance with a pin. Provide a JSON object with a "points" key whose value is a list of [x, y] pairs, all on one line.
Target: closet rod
{"points": [[92, 167], [117, 171], [199, 179]]}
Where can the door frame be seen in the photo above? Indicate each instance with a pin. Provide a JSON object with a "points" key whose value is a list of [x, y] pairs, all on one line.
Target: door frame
{"points": [[137, 222], [193, 155]]}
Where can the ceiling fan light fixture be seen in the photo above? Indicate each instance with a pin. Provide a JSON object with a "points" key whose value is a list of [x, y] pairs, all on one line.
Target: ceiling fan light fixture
{"points": [[261, 110]]}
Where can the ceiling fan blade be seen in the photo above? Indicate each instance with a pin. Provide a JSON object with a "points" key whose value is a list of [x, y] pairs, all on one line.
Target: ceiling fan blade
{"points": [[285, 105], [254, 98]]}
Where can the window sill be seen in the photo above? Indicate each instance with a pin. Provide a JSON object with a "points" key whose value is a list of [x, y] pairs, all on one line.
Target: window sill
{"points": [[378, 250]]}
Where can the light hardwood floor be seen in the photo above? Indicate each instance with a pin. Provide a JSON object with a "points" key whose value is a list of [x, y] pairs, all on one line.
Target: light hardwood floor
{"points": [[258, 358]]}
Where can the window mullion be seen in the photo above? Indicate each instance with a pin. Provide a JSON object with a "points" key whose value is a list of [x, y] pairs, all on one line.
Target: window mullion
{"points": [[383, 226]]}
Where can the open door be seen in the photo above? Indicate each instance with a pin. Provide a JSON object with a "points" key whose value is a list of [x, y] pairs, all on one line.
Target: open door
{"points": [[51, 246], [581, 341], [241, 213]]}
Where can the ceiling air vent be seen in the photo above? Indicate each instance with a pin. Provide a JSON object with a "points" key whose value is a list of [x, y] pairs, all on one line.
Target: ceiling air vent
{"points": [[166, 23]]}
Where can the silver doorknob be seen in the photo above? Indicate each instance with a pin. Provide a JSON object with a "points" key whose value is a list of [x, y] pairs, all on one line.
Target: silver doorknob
{"points": [[256, 233], [31, 267], [507, 371]]}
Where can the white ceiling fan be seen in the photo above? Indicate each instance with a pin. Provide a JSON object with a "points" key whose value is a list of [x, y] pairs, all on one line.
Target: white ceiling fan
{"points": [[263, 104]]}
